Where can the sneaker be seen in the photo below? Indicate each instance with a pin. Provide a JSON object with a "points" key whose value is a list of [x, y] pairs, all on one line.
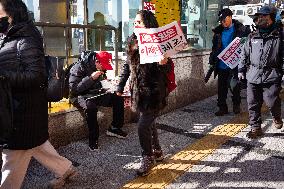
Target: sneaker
{"points": [[236, 109], [221, 112], [119, 133], [158, 155], [61, 181], [147, 164], [255, 133], [93, 145], [277, 123]]}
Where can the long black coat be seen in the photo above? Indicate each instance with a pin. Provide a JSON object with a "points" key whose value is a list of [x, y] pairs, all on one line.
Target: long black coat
{"points": [[149, 92], [27, 75]]}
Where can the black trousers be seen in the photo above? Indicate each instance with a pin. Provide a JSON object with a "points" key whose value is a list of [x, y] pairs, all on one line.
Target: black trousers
{"points": [[147, 132], [90, 108], [228, 79], [256, 94]]}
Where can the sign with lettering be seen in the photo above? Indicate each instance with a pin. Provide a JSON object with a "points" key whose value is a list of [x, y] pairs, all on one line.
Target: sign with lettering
{"points": [[232, 53], [155, 42], [149, 6]]}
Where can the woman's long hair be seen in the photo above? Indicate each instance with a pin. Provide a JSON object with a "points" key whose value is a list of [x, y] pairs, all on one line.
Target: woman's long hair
{"points": [[148, 19], [16, 9]]}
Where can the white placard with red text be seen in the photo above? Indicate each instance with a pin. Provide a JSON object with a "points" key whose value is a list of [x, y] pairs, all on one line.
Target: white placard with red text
{"points": [[232, 53], [155, 42]]}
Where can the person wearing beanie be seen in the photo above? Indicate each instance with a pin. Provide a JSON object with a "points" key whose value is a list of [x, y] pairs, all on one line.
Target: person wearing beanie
{"points": [[262, 65]]}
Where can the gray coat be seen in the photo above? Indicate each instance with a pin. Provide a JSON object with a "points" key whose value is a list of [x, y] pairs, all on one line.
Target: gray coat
{"points": [[262, 59]]}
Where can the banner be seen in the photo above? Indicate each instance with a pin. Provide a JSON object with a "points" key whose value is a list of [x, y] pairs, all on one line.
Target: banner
{"points": [[155, 42], [232, 53]]}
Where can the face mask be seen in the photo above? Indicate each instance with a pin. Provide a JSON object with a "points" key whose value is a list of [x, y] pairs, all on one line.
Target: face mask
{"points": [[4, 24], [282, 20], [262, 23]]}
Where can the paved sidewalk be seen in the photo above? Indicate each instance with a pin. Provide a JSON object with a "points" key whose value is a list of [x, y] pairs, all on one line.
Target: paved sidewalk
{"points": [[232, 161]]}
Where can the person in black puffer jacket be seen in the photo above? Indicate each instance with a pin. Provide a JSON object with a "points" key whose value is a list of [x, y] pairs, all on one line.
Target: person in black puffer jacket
{"points": [[148, 86], [22, 64], [87, 94]]}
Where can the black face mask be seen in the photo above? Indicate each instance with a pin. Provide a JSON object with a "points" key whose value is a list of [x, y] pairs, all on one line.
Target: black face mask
{"points": [[4, 24]]}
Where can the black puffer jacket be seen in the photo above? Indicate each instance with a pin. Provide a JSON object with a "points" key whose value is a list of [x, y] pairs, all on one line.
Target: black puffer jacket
{"points": [[27, 76], [149, 94], [81, 83], [240, 31]]}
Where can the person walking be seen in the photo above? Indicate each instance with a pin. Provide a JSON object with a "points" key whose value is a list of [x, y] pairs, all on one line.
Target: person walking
{"points": [[224, 34], [86, 93], [262, 65], [22, 65], [148, 93]]}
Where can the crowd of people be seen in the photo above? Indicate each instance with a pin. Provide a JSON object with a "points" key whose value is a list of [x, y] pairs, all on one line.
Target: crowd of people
{"points": [[261, 68]]}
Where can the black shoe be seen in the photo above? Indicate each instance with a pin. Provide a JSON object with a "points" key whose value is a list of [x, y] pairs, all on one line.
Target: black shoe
{"points": [[255, 133], [94, 145], [221, 112], [236, 109], [119, 133]]}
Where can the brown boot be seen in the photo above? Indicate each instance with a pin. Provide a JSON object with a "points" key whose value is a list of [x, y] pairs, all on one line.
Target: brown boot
{"points": [[255, 133], [277, 123], [147, 164]]}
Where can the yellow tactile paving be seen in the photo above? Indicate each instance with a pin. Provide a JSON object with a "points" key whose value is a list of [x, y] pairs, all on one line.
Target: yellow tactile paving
{"points": [[60, 106], [165, 173]]}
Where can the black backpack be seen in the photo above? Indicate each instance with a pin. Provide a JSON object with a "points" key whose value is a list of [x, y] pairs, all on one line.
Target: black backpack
{"points": [[56, 87]]}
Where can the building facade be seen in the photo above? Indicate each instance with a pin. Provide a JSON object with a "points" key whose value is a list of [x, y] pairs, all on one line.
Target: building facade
{"points": [[197, 18]]}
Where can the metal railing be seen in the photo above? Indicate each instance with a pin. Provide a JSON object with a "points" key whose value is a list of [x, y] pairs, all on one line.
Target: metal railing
{"points": [[67, 28]]}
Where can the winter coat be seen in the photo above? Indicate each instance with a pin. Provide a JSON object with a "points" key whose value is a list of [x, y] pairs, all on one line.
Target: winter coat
{"points": [[27, 75], [148, 84], [81, 83], [240, 31], [262, 57]]}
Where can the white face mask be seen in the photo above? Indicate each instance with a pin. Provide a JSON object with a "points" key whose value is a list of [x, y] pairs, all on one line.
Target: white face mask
{"points": [[282, 20]]}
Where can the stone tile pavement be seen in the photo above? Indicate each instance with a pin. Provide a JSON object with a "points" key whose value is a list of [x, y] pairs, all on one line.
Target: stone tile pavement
{"points": [[238, 163]]}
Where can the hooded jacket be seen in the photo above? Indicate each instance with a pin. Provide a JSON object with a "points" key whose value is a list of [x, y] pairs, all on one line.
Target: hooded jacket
{"points": [[148, 83], [262, 57], [26, 73], [81, 83]]}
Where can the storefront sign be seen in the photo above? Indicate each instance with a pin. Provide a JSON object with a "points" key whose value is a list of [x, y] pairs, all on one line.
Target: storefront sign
{"points": [[232, 53], [155, 42]]}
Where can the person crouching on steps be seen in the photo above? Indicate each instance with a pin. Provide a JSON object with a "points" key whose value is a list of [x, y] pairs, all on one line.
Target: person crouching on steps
{"points": [[86, 93]]}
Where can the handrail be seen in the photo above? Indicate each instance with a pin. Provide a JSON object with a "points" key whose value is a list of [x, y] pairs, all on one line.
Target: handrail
{"points": [[83, 26]]}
